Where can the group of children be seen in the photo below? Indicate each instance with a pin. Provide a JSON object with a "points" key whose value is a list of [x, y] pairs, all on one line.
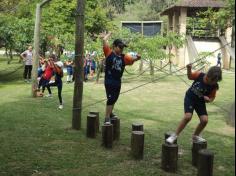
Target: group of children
{"points": [[202, 91], [89, 66]]}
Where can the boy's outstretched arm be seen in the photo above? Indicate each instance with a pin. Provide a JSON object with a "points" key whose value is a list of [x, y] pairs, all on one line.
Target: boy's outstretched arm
{"points": [[105, 36], [106, 49]]}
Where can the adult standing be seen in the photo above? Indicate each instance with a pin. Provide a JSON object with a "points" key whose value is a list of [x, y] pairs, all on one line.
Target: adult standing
{"points": [[27, 57], [218, 60]]}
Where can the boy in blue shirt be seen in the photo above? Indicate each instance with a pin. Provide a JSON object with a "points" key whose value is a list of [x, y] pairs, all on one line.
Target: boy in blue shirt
{"points": [[202, 91], [115, 63]]}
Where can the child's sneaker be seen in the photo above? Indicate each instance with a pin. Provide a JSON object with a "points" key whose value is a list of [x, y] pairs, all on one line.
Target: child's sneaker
{"points": [[49, 96], [60, 107], [198, 139], [107, 121], [171, 139]]}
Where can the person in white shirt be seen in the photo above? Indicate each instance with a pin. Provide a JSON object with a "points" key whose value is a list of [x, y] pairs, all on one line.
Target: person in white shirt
{"points": [[27, 57]]}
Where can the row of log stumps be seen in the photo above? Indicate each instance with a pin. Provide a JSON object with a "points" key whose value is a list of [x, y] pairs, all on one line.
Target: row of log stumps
{"points": [[202, 158]]}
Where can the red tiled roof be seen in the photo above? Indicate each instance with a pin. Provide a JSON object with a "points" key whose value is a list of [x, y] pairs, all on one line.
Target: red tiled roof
{"points": [[195, 4]]}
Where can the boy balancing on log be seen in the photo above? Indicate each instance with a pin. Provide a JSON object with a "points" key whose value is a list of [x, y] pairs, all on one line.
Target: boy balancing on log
{"points": [[203, 90], [114, 67]]}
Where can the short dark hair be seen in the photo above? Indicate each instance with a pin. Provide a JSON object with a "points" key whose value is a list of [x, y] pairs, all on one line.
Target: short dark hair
{"points": [[119, 43], [215, 73], [53, 56]]}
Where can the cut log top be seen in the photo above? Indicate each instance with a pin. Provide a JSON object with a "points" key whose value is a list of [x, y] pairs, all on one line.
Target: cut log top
{"points": [[138, 132], [206, 152], [94, 112], [137, 124], [107, 125], [92, 115], [171, 145], [199, 142]]}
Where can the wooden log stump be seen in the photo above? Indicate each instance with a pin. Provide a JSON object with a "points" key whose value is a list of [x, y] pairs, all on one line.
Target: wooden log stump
{"points": [[115, 121], [91, 126], [205, 163], [197, 146], [169, 158], [107, 135], [168, 134], [97, 119], [137, 144], [137, 127]]}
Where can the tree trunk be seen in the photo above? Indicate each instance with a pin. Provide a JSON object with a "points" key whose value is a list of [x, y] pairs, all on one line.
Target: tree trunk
{"points": [[151, 68], [79, 71], [141, 66], [11, 56], [36, 52]]}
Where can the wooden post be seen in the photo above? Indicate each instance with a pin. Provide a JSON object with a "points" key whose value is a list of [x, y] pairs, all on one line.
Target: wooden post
{"points": [[169, 157], [137, 127], [79, 62], [197, 146], [205, 163], [115, 121], [36, 51], [91, 125], [107, 135], [97, 119], [137, 144], [168, 134]]}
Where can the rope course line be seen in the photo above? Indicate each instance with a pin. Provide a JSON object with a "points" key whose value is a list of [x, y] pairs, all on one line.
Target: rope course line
{"points": [[154, 80]]}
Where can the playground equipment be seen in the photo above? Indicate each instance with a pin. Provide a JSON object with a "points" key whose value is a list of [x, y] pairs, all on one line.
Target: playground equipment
{"points": [[202, 158]]}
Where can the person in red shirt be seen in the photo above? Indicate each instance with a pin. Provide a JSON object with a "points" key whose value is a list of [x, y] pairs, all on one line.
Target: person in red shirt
{"points": [[202, 91], [115, 63], [48, 73]]}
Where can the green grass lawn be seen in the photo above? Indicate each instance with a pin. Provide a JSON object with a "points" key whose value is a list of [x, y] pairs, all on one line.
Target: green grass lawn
{"points": [[36, 138]]}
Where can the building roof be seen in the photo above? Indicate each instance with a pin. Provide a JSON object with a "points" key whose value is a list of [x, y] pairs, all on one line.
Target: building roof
{"points": [[198, 4]]}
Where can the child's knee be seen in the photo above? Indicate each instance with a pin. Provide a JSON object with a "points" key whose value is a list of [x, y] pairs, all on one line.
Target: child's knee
{"points": [[187, 117], [204, 120]]}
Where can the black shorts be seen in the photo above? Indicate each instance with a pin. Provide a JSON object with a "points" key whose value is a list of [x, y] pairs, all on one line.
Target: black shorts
{"points": [[191, 104], [112, 93]]}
